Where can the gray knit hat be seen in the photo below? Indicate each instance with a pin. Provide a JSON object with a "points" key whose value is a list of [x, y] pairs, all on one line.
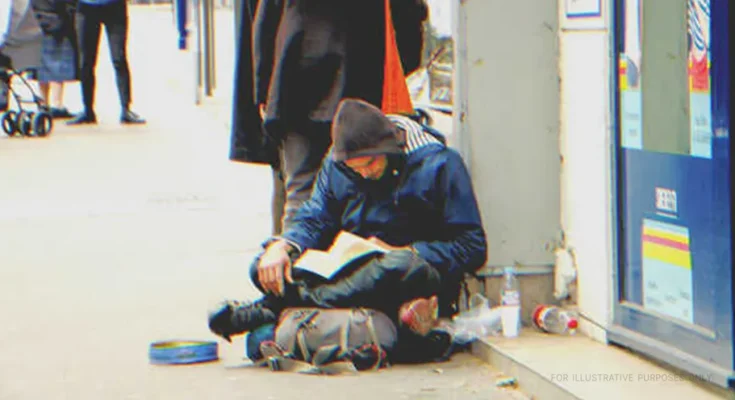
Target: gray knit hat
{"points": [[361, 129]]}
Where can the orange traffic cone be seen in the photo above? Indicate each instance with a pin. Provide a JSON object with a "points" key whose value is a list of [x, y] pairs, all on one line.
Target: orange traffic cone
{"points": [[396, 97]]}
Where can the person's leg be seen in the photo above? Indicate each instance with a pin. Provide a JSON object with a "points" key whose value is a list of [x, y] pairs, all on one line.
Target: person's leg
{"points": [[384, 283], [233, 317], [302, 155], [56, 94], [115, 18], [45, 88], [278, 201], [88, 39]]}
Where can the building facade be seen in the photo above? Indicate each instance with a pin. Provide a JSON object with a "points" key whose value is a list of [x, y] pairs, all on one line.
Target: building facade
{"points": [[599, 130]]}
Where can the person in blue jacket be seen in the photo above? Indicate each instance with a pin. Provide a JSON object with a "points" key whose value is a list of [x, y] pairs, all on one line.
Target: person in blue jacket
{"points": [[394, 181]]}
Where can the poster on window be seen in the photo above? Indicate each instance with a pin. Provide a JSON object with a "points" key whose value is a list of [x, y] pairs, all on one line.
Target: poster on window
{"points": [[667, 270], [630, 79], [700, 99]]}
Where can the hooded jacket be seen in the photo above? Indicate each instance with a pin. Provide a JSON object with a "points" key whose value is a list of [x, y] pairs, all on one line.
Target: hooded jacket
{"points": [[427, 202]]}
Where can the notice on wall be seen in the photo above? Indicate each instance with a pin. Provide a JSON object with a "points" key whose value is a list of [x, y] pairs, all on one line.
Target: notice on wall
{"points": [[667, 270], [700, 98], [583, 8], [631, 109]]}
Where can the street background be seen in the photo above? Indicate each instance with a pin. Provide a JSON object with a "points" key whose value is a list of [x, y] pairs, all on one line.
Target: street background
{"points": [[112, 237]]}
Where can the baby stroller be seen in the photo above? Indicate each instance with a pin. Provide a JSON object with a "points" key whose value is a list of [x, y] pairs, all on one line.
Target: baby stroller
{"points": [[23, 122]]}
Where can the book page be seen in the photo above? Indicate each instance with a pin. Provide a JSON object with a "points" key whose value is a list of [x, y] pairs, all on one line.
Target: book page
{"points": [[318, 262], [348, 246]]}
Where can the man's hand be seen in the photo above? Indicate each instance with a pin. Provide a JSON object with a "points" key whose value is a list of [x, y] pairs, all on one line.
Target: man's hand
{"points": [[274, 267], [385, 245]]}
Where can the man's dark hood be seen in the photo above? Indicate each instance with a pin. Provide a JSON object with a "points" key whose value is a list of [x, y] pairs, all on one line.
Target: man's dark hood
{"points": [[361, 129]]}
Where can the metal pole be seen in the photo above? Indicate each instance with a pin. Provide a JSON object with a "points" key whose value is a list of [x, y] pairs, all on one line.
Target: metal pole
{"points": [[206, 20], [198, 53], [212, 47]]}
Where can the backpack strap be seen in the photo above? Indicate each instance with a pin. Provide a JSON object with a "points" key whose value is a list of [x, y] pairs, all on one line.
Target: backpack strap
{"points": [[375, 340], [301, 334]]}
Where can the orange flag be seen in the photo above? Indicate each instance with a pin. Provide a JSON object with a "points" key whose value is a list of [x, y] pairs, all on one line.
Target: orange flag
{"points": [[396, 97]]}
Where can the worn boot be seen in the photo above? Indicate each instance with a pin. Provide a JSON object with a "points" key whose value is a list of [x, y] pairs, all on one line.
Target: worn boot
{"points": [[232, 317], [383, 284]]}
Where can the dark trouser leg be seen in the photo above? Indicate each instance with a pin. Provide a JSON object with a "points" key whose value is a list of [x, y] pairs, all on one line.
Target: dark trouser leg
{"points": [[88, 23], [278, 202], [384, 284], [115, 18], [302, 153], [232, 317]]}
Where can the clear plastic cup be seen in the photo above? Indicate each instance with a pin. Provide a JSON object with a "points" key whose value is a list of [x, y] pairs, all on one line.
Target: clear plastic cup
{"points": [[511, 319]]}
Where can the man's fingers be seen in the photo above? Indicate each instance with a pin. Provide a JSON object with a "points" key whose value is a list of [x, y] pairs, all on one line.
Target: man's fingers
{"points": [[265, 279], [270, 278], [288, 272], [279, 280], [261, 278]]}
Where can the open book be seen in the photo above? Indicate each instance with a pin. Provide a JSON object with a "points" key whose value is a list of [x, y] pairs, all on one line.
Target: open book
{"points": [[345, 248]]}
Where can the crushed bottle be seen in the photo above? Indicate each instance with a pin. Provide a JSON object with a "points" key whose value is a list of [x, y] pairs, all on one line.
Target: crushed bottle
{"points": [[553, 319], [480, 320]]}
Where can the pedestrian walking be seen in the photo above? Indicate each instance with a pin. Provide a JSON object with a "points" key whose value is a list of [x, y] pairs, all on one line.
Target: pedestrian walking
{"points": [[59, 53], [90, 16]]}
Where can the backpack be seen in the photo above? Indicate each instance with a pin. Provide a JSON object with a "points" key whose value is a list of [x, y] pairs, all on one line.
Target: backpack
{"points": [[330, 341]]}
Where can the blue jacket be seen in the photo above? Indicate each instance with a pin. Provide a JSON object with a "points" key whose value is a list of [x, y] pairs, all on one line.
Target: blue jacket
{"points": [[430, 205]]}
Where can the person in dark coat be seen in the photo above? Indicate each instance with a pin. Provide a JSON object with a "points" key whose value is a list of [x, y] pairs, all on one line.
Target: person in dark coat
{"points": [[59, 54], [394, 181], [248, 142], [307, 56]]}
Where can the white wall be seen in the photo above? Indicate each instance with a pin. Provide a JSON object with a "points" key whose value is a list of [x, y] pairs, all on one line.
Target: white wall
{"points": [[586, 177], [508, 100]]}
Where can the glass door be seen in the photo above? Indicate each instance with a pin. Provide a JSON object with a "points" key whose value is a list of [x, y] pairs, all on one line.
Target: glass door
{"points": [[675, 280]]}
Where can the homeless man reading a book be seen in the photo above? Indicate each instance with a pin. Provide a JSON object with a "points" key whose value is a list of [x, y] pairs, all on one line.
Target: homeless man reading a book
{"points": [[393, 182]]}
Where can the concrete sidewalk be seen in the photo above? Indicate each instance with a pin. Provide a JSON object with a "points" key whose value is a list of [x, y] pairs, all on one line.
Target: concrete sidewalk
{"points": [[112, 237]]}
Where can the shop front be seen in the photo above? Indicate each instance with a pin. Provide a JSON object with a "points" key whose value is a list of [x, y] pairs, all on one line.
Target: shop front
{"points": [[674, 286]]}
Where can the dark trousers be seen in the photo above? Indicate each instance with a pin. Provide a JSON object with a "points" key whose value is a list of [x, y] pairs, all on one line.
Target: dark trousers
{"points": [[89, 20], [278, 201], [382, 283], [302, 151]]}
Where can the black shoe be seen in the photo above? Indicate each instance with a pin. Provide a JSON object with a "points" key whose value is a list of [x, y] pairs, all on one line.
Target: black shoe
{"points": [[129, 117], [83, 118], [232, 317], [60, 113]]}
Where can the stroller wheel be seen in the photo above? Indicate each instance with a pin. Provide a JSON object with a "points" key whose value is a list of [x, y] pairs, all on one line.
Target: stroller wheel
{"points": [[23, 123], [8, 123], [41, 124]]}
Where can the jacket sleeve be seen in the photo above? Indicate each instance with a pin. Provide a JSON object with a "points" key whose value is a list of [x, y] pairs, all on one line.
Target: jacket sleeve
{"points": [[265, 26], [317, 222], [463, 245]]}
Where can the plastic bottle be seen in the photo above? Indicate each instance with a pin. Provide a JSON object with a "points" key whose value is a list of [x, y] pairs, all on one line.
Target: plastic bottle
{"points": [[478, 321], [552, 319], [510, 299]]}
